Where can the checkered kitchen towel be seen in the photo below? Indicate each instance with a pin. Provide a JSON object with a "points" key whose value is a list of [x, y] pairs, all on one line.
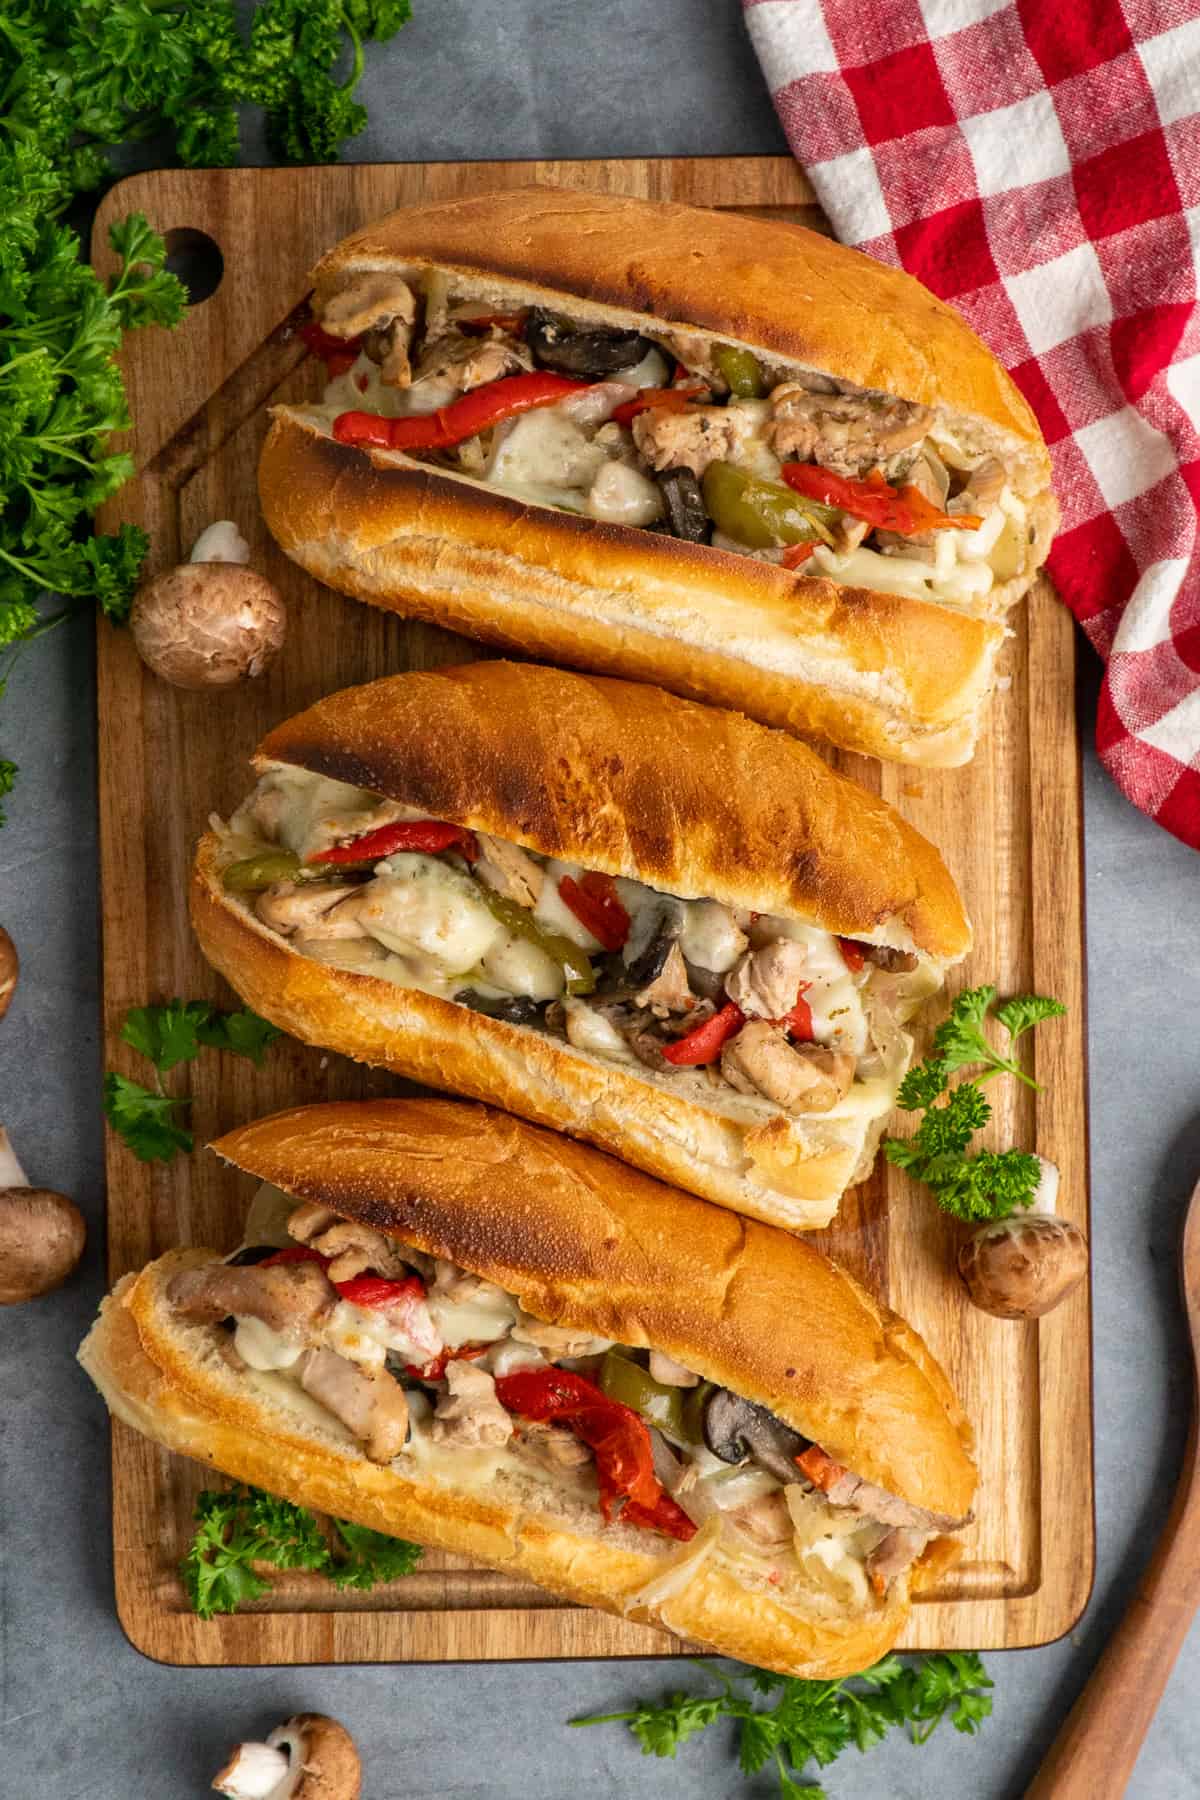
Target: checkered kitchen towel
{"points": [[1037, 164]]}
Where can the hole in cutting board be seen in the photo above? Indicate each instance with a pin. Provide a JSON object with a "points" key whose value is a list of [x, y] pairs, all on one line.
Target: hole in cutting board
{"points": [[196, 259]]}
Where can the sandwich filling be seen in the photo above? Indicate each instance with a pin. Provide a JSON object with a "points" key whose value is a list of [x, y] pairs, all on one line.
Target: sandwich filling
{"points": [[443, 1376], [746, 1012], [664, 430]]}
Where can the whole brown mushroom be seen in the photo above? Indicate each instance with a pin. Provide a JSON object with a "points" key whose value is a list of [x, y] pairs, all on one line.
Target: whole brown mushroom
{"points": [[311, 1757], [9, 970], [1020, 1268], [208, 624], [42, 1233]]}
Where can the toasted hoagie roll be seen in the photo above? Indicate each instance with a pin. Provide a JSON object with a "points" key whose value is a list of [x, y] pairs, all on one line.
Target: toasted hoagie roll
{"points": [[647, 922], [723, 454], [504, 1344]]}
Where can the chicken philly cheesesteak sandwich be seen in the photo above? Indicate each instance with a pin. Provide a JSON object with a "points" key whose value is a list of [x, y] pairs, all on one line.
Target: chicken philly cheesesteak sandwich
{"points": [[647, 922], [452, 1326], [718, 453]]}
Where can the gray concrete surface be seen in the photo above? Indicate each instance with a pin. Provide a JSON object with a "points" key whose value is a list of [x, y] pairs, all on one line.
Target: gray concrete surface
{"points": [[81, 1713]]}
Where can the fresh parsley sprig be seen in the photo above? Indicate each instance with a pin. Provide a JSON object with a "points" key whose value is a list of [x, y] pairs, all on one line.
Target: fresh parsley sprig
{"points": [[989, 1184], [242, 1526], [814, 1721], [149, 1120]]}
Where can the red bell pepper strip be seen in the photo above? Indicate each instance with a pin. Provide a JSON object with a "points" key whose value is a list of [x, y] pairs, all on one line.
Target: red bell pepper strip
{"points": [[660, 399], [436, 1369], [595, 902], [477, 411], [616, 1435], [702, 1044], [821, 1470], [796, 554], [799, 1021], [904, 510], [295, 1253], [430, 835], [378, 1290], [852, 954], [338, 354]]}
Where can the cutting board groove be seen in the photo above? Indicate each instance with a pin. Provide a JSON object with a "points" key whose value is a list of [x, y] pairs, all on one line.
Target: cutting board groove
{"points": [[1009, 827]]}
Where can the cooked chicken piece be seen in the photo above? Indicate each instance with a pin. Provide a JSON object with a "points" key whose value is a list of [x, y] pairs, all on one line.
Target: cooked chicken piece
{"points": [[766, 982], [848, 534], [464, 362], [982, 489], [894, 1554], [468, 1413], [554, 1446], [309, 1219], [369, 1402], [291, 906], [558, 1340], [265, 809], [380, 308], [355, 1248], [291, 1298], [509, 870], [766, 1520], [801, 1078], [671, 1373], [892, 962], [695, 438], [932, 479], [452, 1283], [847, 433], [669, 992]]}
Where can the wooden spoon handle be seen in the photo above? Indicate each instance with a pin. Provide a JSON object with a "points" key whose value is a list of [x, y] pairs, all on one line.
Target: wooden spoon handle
{"points": [[1093, 1755]]}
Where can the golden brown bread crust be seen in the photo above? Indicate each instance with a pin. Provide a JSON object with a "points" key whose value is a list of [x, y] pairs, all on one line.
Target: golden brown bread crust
{"points": [[155, 1387], [584, 1241], [776, 287], [633, 781], [887, 675], [789, 1172]]}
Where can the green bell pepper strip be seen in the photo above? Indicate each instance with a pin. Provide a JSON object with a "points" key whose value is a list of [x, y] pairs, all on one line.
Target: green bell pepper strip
{"points": [[625, 1380], [763, 514], [741, 371], [254, 874], [577, 970]]}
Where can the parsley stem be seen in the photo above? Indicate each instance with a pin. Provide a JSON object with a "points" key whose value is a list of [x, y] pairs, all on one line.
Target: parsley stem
{"points": [[621, 1718]]}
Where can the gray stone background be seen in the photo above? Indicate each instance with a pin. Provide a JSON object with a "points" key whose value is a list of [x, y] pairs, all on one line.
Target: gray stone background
{"points": [[81, 1713]]}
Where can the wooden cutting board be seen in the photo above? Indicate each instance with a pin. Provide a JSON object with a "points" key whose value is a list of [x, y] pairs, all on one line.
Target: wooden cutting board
{"points": [[1009, 827]]}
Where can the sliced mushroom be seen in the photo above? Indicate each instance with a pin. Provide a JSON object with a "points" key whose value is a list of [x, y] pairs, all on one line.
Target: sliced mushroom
{"points": [[735, 1429], [556, 344], [687, 514], [514, 1009], [656, 927]]}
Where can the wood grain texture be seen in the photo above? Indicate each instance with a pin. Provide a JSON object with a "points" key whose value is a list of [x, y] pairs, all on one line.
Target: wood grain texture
{"points": [[1009, 826]]}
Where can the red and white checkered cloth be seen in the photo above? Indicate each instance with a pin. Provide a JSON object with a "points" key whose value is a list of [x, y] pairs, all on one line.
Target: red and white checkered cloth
{"points": [[1037, 164]]}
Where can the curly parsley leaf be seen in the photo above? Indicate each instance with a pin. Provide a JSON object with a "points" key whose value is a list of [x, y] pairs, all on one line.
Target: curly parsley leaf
{"points": [[167, 1035], [369, 1557], [814, 1721], [8, 774], [989, 1184], [242, 1526], [148, 1123]]}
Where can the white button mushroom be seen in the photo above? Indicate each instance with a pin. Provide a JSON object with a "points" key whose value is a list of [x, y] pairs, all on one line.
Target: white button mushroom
{"points": [[42, 1233], [311, 1757], [208, 624], [9, 970], [1020, 1268]]}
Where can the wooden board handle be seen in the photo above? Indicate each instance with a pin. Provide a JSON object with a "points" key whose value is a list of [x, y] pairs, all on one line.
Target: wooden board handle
{"points": [[1092, 1757]]}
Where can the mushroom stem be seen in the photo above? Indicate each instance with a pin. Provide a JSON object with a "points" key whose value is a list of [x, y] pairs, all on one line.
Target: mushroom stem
{"points": [[12, 1175], [253, 1772]]}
